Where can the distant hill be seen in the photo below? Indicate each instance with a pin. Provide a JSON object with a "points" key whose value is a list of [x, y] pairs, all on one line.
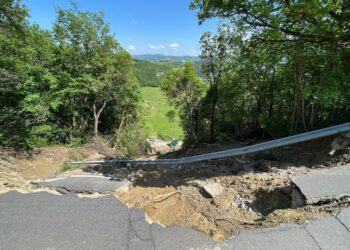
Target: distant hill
{"points": [[152, 73], [159, 57]]}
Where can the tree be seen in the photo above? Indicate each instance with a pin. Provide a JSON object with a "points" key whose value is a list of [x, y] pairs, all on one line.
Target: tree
{"points": [[288, 70], [24, 52], [58, 86], [214, 53], [284, 20], [113, 83], [84, 56], [184, 90], [96, 68]]}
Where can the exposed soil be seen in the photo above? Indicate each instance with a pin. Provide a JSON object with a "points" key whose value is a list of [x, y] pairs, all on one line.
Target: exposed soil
{"points": [[256, 189], [249, 200], [19, 167]]}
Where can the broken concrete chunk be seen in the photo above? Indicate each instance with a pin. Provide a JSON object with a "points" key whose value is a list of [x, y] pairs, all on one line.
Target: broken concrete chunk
{"points": [[213, 189], [84, 184], [324, 185]]}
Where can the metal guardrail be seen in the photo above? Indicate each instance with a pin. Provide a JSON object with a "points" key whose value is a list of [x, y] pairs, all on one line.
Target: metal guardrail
{"points": [[233, 152]]}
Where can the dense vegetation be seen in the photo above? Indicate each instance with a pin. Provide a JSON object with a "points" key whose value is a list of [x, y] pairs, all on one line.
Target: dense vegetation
{"points": [[185, 89], [152, 73], [61, 86], [273, 68], [166, 58]]}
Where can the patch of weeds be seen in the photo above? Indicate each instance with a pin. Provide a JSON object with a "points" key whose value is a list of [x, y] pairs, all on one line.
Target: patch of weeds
{"points": [[68, 166], [78, 155], [74, 143]]}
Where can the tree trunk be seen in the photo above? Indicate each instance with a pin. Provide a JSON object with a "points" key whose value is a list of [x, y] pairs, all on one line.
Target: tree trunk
{"points": [[299, 106], [120, 126], [213, 109], [271, 96], [97, 114]]}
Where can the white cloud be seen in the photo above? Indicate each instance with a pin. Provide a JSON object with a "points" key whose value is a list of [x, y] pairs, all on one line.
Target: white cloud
{"points": [[131, 47], [133, 21], [174, 45], [151, 46]]}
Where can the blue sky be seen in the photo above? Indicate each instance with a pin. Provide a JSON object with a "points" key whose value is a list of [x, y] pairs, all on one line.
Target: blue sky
{"points": [[141, 26]]}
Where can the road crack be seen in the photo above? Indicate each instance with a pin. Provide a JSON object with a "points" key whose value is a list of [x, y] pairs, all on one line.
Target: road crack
{"points": [[312, 237], [336, 217]]}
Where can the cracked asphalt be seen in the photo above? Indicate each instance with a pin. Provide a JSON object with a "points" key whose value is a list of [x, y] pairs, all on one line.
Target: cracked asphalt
{"points": [[47, 221], [324, 185], [83, 184]]}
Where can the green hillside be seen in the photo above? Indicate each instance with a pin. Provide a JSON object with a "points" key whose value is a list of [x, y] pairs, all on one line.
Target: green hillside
{"points": [[152, 73], [156, 109], [160, 57]]}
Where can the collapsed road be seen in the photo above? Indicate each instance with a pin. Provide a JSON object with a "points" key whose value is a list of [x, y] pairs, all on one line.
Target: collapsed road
{"points": [[292, 198], [47, 221]]}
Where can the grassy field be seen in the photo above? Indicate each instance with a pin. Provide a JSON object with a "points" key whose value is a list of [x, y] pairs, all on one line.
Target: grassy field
{"points": [[155, 109]]}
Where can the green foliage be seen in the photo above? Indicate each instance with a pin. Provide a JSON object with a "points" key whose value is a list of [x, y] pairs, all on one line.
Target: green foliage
{"points": [[166, 58], [131, 140], [66, 167], [276, 66], [152, 73], [215, 52], [315, 22], [64, 85], [156, 108], [171, 115], [76, 142], [286, 69], [184, 90]]}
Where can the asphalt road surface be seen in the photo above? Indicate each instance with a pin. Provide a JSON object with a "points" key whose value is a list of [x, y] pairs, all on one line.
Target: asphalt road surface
{"points": [[47, 221], [324, 185]]}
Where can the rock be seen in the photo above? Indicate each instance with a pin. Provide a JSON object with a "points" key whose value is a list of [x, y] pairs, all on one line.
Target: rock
{"points": [[239, 202], [340, 143], [213, 189], [155, 146], [62, 190]]}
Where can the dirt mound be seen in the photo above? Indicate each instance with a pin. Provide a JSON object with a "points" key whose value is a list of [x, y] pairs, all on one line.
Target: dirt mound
{"points": [[18, 167], [257, 189], [250, 199]]}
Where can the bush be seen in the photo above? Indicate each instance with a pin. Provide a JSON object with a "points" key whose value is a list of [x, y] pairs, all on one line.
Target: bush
{"points": [[131, 141]]}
